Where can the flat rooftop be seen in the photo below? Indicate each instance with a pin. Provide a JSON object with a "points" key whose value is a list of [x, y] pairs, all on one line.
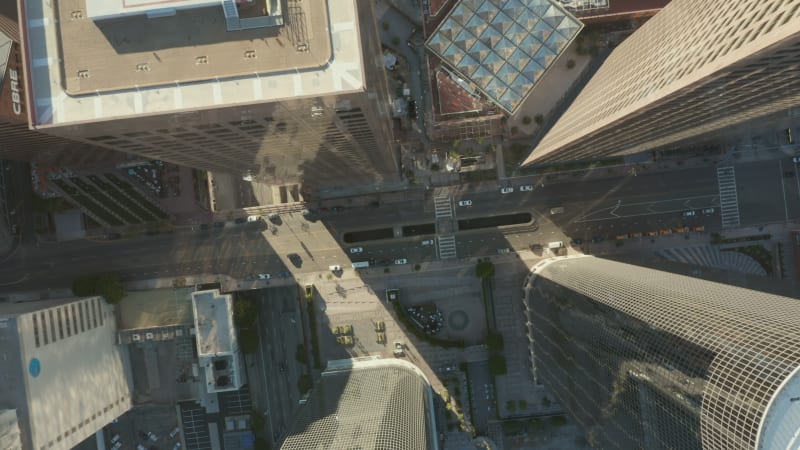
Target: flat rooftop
{"points": [[192, 45], [104, 8], [213, 322], [133, 66]]}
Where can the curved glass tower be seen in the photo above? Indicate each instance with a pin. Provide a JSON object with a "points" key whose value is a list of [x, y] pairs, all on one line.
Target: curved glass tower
{"points": [[648, 359], [372, 404]]}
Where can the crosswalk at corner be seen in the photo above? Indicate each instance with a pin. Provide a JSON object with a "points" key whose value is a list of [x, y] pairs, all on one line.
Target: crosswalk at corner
{"points": [[443, 206], [728, 199], [447, 246]]}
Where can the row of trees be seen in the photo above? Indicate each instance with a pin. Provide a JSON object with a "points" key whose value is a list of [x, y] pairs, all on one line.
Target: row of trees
{"points": [[108, 285]]}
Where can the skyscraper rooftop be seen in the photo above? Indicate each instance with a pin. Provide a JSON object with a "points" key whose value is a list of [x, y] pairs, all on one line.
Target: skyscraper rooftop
{"points": [[371, 405]]}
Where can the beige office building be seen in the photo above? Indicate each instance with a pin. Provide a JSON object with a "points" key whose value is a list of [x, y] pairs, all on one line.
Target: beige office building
{"points": [[696, 67], [288, 92], [642, 358], [64, 376]]}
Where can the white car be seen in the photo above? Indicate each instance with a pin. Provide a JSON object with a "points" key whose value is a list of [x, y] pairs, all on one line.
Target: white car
{"points": [[174, 433], [465, 203], [689, 213], [356, 250], [526, 188], [507, 190], [252, 219], [708, 211], [796, 159], [400, 261], [427, 242], [263, 276]]}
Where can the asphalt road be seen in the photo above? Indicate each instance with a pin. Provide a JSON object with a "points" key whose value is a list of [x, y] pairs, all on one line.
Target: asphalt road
{"points": [[592, 207]]}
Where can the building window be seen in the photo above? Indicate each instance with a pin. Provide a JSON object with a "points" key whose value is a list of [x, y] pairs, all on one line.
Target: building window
{"points": [[36, 330], [93, 307], [81, 315], [66, 319], [100, 311], [74, 320], [44, 327], [60, 324], [52, 326]]}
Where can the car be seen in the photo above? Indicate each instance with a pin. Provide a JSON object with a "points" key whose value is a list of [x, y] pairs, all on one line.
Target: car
{"points": [[335, 268], [689, 213], [263, 276], [204, 226], [788, 174], [427, 242], [503, 251], [251, 219], [536, 248], [219, 224], [177, 446], [282, 368], [284, 274], [465, 203], [507, 190], [526, 188], [273, 217], [400, 261], [384, 262], [354, 250], [295, 259], [239, 220], [337, 209], [152, 436], [796, 159], [577, 241], [249, 277], [174, 433], [597, 239], [708, 211]]}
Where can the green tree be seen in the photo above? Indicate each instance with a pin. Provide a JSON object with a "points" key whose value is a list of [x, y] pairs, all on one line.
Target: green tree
{"points": [[495, 342], [300, 354], [256, 421], [484, 269], [108, 285], [248, 340], [539, 119], [261, 444], [245, 311], [385, 26], [497, 364], [526, 120], [570, 63], [304, 383]]}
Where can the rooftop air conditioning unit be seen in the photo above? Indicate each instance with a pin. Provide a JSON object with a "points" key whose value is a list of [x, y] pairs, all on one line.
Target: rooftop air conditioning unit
{"points": [[179, 332], [148, 336], [136, 337]]}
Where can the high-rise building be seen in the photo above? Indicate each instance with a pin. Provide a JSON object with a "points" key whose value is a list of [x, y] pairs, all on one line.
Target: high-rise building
{"points": [[287, 92], [698, 66], [17, 140], [64, 376], [642, 358], [368, 404]]}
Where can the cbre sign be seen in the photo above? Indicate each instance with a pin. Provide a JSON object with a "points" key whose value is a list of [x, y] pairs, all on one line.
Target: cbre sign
{"points": [[16, 102]]}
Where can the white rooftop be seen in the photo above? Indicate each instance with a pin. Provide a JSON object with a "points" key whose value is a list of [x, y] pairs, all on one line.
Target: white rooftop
{"points": [[99, 9], [213, 322], [52, 106]]}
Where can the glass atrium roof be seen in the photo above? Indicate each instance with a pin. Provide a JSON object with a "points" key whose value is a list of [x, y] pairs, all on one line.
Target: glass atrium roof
{"points": [[504, 46]]}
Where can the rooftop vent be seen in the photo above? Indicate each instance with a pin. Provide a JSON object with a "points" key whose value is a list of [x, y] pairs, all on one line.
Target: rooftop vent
{"points": [[201, 60], [250, 54]]}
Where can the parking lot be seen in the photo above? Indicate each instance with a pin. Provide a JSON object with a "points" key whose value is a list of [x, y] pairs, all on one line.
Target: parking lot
{"points": [[195, 427]]}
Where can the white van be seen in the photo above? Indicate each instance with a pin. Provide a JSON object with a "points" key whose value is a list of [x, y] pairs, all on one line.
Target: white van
{"points": [[557, 210], [335, 268], [555, 244]]}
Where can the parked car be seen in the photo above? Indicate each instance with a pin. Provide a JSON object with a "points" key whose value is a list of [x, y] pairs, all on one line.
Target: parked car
{"points": [[219, 224], [263, 276], [239, 220], [689, 213], [152, 436], [577, 241], [526, 188], [465, 203], [507, 190], [401, 261], [354, 250], [335, 268], [253, 218], [174, 433], [708, 211], [597, 239], [796, 159], [427, 242], [503, 251], [204, 226]]}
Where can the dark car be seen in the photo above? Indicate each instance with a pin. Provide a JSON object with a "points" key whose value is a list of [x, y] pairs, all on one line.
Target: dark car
{"points": [[597, 239], [337, 209], [295, 259], [384, 262], [240, 220], [204, 226], [788, 174], [284, 274], [577, 241], [219, 224]]}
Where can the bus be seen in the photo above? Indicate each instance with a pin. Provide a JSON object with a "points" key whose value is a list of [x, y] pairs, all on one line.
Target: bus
{"points": [[361, 265]]}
